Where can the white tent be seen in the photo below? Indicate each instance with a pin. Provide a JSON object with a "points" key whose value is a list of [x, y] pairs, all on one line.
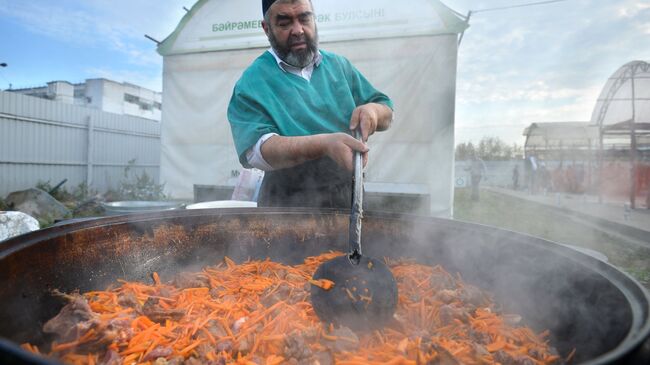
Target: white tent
{"points": [[408, 52]]}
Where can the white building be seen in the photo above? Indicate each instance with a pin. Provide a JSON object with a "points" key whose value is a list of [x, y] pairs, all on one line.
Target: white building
{"points": [[102, 94]]}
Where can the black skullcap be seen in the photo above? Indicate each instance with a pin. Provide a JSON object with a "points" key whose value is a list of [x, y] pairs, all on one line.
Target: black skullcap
{"points": [[266, 4]]}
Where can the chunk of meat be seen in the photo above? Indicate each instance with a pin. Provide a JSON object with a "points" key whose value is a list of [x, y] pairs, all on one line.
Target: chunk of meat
{"points": [[164, 292], [156, 313], [506, 359], [187, 280], [448, 314], [220, 360], [446, 296], [291, 277], [157, 352], [118, 330], [473, 296], [178, 360], [193, 361], [444, 357], [129, 300], [239, 324], [295, 347], [206, 348], [325, 358], [111, 358], [244, 345], [275, 294], [215, 292], [479, 337], [75, 319], [442, 281], [343, 340], [225, 345], [216, 329]]}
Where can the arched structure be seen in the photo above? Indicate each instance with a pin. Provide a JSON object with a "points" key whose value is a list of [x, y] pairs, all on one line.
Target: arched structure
{"points": [[622, 114]]}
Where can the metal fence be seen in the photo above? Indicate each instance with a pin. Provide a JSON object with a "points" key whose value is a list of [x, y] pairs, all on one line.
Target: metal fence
{"points": [[497, 173], [46, 141]]}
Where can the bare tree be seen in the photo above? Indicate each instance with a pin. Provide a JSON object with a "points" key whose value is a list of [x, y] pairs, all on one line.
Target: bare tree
{"points": [[488, 149]]}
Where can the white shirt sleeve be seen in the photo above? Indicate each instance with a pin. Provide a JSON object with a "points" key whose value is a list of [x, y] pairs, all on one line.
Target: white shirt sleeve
{"points": [[254, 154]]}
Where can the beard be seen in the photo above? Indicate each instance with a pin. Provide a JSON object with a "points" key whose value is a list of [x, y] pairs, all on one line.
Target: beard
{"points": [[298, 58]]}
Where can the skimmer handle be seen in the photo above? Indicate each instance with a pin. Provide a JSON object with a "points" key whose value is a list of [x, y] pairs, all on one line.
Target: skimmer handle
{"points": [[357, 206]]}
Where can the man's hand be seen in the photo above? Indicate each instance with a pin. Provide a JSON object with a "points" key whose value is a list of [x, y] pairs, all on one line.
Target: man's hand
{"points": [[283, 152], [340, 147], [371, 117]]}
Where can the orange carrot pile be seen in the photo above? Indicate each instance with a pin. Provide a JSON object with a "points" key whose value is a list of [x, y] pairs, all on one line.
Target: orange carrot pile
{"points": [[258, 312]]}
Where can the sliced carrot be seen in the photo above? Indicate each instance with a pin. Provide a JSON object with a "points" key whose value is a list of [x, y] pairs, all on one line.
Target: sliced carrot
{"points": [[191, 315]]}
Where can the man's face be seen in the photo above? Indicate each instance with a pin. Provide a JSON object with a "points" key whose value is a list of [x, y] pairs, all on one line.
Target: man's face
{"points": [[292, 32]]}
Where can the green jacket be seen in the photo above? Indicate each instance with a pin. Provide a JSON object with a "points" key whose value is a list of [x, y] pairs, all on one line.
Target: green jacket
{"points": [[268, 100]]}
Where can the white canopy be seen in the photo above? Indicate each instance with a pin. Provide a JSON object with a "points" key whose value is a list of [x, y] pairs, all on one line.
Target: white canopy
{"points": [[555, 140], [557, 135], [408, 52]]}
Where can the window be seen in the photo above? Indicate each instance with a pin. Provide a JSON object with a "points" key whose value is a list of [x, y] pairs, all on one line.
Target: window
{"points": [[131, 98]]}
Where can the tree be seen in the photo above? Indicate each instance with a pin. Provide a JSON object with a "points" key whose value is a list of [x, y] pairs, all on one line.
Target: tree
{"points": [[465, 151], [488, 149]]}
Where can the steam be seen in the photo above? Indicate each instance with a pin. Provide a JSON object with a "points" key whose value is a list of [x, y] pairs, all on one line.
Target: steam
{"points": [[550, 286]]}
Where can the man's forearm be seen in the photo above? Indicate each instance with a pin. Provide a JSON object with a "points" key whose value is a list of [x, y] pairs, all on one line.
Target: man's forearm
{"points": [[282, 152]]}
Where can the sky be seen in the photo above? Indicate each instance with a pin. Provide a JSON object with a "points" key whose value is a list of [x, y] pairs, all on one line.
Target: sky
{"points": [[544, 63]]}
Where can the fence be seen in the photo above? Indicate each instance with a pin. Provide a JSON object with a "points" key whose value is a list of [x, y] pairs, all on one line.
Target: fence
{"points": [[46, 141], [559, 176], [497, 173]]}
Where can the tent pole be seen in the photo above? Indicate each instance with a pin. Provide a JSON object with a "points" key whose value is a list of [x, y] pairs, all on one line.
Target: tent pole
{"points": [[600, 164], [633, 150], [469, 15], [590, 164]]}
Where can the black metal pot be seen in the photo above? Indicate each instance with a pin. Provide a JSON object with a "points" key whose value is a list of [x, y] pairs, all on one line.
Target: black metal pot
{"points": [[585, 303]]}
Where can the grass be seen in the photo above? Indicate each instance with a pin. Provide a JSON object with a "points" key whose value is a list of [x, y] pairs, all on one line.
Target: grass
{"points": [[534, 219]]}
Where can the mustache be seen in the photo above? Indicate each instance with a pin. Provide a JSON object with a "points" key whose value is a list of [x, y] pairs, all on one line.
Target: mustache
{"points": [[297, 40]]}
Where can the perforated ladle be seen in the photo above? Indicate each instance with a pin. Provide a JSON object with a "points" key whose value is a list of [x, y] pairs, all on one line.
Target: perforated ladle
{"points": [[364, 295]]}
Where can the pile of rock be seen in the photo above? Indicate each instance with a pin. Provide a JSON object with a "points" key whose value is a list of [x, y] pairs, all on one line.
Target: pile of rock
{"points": [[16, 223], [28, 208]]}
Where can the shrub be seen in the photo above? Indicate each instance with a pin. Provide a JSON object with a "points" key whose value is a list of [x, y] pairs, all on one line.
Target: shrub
{"points": [[138, 186]]}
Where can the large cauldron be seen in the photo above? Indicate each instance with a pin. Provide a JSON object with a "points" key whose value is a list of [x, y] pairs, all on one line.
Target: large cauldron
{"points": [[585, 303]]}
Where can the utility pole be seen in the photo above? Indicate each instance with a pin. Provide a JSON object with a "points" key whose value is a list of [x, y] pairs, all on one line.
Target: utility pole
{"points": [[633, 157], [4, 64]]}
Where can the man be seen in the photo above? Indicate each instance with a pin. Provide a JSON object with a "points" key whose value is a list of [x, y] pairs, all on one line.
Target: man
{"points": [[292, 111], [476, 170]]}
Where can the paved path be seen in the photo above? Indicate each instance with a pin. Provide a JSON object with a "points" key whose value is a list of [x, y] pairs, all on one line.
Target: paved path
{"points": [[608, 216]]}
